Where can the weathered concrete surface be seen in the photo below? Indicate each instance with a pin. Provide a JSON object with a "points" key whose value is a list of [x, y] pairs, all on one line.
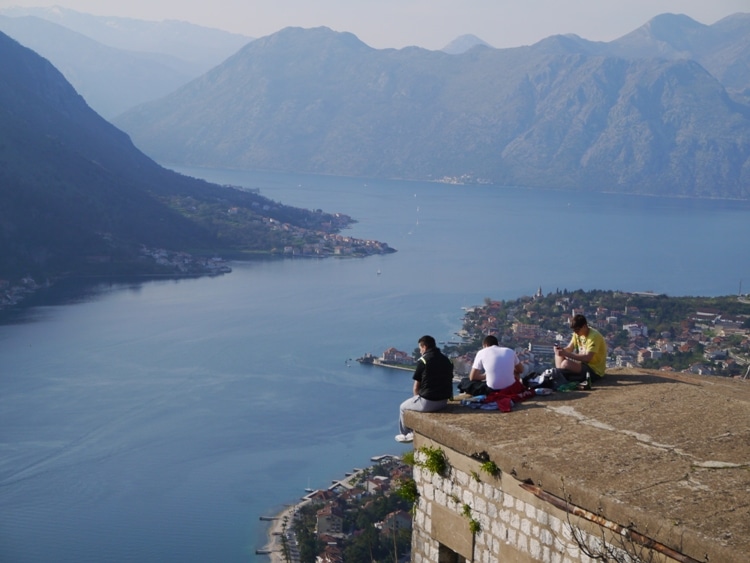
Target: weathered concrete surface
{"points": [[668, 453]]}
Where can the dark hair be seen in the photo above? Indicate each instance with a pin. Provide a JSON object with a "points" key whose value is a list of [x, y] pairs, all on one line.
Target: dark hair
{"points": [[490, 340], [428, 341], [578, 322]]}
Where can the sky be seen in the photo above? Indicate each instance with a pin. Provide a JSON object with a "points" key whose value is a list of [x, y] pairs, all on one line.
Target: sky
{"points": [[431, 24]]}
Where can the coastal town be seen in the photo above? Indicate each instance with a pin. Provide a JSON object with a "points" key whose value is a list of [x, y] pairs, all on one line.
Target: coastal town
{"points": [[321, 245], [705, 336], [356, 518], [163, 262]]}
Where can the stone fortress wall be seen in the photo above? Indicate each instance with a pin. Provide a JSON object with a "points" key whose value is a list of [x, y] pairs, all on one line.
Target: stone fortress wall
{"points": [[645, 467], [515, 525]]}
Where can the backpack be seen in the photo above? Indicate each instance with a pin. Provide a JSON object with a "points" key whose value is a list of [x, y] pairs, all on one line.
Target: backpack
{"points": [[473, 388], [552, 378]]}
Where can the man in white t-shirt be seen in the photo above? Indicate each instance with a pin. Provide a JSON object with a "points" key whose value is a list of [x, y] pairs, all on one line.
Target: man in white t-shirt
{"points": [[499, 367]]}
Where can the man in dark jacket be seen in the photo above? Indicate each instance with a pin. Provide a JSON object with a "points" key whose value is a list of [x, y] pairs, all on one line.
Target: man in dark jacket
{"points": [[433, 385]]}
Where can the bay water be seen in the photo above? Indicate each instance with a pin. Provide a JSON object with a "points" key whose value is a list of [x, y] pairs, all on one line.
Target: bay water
{"points": [[159, 420]]}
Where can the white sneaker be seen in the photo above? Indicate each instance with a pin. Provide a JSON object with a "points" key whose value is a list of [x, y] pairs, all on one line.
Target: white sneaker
{"points": [[405, 438]]}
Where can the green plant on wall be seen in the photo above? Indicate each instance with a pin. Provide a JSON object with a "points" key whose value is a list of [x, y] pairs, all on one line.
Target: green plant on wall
{"points": [[435, 460], [474, 526], [491, 468], [408, 458], [407, 490]]}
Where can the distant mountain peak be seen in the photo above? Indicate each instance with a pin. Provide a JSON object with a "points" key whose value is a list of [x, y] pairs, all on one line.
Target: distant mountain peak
{"points": [[567, 43], [463, 43], [314, 33], [303, 41], [666, 28], [671, 21]]}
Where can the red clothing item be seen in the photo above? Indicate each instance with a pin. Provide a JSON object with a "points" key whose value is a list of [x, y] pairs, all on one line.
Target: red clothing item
{"points": [[517, 393]]}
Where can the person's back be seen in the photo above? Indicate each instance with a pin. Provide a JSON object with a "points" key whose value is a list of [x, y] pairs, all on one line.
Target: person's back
{"points": [[437, 376], [499, 364], [433, 385]]}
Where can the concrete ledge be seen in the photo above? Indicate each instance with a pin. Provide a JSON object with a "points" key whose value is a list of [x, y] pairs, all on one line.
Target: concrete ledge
{"points": [[668, 453]]}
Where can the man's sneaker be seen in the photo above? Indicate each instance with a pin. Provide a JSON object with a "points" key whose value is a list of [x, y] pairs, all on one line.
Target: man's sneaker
{"points": [[586, 385], [405, 438]]}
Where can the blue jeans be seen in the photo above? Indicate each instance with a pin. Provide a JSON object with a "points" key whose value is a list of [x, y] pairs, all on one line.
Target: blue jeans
{"points": [[419, 404]]}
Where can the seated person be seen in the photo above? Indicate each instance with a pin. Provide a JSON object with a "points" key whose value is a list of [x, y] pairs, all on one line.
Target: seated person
{"points": [[433, 385], [496, 365], [585, 357]]}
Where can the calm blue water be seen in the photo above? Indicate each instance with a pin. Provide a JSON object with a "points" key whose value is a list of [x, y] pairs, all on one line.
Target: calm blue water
{"points": [[158, 421]]}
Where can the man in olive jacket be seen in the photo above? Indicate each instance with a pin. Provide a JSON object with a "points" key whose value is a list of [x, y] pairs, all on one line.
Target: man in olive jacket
{"points": [[433, 385]]}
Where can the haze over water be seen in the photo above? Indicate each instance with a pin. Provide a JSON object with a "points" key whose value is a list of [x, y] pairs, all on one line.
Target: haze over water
{"points": [[157, 421]]}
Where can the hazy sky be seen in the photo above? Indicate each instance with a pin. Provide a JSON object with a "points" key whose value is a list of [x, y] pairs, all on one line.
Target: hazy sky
{"points": [[427, 23]]}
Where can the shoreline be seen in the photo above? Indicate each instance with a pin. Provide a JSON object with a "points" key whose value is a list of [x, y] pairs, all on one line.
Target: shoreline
{"points": [[272, 547], [392, 366]]}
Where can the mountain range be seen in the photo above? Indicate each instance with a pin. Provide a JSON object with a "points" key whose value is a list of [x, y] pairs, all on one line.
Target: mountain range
{"points": [[662, 110], [203, 46], [723, 48], [78, 197], [117, 63], [563, 113]]}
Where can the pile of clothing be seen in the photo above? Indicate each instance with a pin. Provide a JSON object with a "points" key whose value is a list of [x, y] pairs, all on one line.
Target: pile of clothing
{"points": [[490, 399], [550, 380]]}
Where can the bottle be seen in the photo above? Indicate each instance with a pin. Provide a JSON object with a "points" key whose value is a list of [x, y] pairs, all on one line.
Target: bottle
{"points": [[543, 391], [586, 385]]}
